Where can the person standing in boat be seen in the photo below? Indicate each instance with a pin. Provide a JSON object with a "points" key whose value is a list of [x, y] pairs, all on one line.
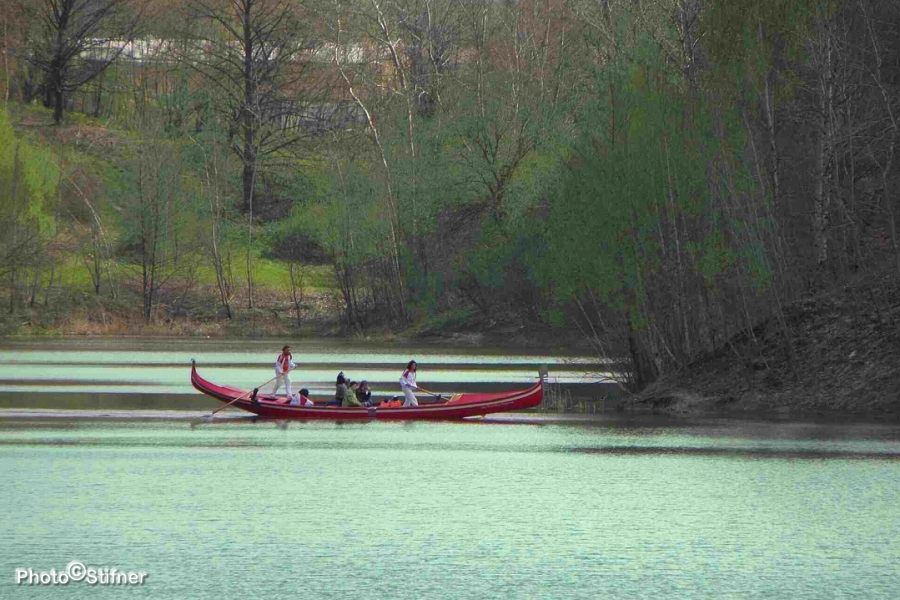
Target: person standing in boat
{"points": [[408, 384], [283, 364]]}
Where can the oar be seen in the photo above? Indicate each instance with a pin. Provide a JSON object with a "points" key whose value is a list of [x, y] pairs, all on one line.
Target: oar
{"points": [[438, 396], [244, 395], [238, 399]]}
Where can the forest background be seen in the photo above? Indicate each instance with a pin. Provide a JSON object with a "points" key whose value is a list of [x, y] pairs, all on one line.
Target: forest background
{"points": [[655, 180]]}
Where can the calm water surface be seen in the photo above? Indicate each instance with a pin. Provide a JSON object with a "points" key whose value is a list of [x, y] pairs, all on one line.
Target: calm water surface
{"points": [[516, 507], [155, 373]]}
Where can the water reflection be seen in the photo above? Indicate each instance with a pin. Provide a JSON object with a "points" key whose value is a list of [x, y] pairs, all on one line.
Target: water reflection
{"points": [[763, 453], [548, 507], [153, 366], [601, 435]]}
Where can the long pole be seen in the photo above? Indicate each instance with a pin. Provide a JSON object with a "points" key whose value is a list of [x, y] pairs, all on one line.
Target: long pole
{"points": [[438, 396], [246, 394]]}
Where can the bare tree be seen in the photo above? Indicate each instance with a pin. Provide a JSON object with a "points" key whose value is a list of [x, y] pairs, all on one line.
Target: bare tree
{"points": [[159, 220], [216, 242], [297, 275], [348, 77], [890, 130], [74, 41], [255, 54], [100, 251], [6, 33]]}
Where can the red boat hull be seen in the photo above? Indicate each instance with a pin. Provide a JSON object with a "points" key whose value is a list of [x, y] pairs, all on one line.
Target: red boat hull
{"points": [[458, 407]]}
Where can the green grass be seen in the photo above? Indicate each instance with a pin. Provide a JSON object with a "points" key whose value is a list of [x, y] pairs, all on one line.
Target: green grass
{"points": [[33, 122], [266, 273], [451, 320], [274, 274]]}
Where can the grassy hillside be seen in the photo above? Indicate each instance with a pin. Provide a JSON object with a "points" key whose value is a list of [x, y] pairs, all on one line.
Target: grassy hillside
{"points": [[56, 293]]}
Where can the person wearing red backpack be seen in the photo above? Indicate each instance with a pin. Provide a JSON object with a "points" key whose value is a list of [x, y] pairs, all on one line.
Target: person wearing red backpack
{"points": [[283, 364]]}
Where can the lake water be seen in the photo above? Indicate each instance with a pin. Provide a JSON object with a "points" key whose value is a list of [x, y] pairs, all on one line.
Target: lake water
{"points": [[530, 506], [511, 506], [136, 373]]}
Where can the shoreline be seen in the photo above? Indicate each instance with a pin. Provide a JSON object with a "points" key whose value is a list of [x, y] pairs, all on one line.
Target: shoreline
{"points": [[321, 317], [547, 339], [832, 355]]}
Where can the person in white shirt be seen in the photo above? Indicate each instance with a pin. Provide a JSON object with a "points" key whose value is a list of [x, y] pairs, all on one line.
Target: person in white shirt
{"points": [[408, 384], [283, 364], [302, 399]]}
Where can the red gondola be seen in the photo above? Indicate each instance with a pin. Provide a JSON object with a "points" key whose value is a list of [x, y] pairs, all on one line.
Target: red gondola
{"points": [[458, 406]]}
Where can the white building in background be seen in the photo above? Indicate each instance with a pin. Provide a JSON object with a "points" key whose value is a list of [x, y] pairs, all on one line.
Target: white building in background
{"points": [[138, 51], [154, 49]]}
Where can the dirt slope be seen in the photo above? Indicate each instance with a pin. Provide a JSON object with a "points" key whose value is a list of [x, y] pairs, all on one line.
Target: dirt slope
{"points": [[843, 357]]}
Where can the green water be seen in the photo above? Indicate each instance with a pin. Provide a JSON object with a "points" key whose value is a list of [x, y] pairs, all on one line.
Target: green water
{"points": [[129, 367], [538, 508]]}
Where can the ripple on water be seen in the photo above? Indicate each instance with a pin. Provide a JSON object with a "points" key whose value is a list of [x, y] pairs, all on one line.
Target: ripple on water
{"points": [[454, 510]]}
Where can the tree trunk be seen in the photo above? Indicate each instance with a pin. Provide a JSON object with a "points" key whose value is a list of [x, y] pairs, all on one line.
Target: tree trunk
{"points": [[248, 174], [6, 56], [14, 191], [296, 290], [643, 368], [821, 202], [57, 106]]}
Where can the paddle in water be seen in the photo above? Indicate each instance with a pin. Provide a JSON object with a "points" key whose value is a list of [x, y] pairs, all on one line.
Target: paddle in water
{"points": [[244, 396]]}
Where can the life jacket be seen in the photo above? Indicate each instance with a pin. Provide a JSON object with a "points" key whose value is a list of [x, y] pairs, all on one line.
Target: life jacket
{"points": [[285, 362]]}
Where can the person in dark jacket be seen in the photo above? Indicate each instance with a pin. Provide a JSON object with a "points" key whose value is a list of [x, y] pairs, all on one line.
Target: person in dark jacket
{"points": [[340, 391], [364, 394]]}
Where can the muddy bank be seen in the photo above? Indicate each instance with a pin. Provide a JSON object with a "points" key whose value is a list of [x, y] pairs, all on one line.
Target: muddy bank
{"points": [[839, 355], [71, 312], [79, 313]]}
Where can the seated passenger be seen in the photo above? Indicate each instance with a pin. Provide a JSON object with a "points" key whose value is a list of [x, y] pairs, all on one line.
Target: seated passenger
{"points": [[302, 399], [350, 399], [393, 402], [340, 391], [364, 394]]}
